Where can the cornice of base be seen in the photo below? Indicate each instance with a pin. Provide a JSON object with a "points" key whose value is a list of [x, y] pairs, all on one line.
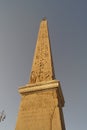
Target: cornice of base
{"points": [[39, 86]]}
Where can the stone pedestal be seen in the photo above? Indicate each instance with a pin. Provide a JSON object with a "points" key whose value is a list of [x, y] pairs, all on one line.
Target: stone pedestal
{"points": [[40, 107]]}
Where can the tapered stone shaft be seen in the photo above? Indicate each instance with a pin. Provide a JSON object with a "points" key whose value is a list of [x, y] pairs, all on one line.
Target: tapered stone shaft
{"points": [[42, 68]]}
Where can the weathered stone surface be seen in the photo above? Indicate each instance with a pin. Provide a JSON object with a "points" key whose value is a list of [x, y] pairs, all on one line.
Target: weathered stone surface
{"points": [[40, 110], [42, 68], [41, 99]]}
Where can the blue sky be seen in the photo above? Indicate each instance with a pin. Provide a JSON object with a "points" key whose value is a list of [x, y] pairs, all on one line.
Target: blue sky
{"points": [[19, 25]]}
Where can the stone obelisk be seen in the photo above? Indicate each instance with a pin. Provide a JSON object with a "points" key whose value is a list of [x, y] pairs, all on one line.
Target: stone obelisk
{"points": [[41, 98]]}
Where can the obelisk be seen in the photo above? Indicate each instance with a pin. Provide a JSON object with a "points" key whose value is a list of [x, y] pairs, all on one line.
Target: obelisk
{"points": [[41, 98]]}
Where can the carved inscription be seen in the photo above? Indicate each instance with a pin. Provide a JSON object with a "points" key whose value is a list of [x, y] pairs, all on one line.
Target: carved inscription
{"points": [[42, 64]]}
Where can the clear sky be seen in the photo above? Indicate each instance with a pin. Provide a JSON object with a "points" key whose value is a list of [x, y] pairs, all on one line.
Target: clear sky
{"points": [[19, 25]]}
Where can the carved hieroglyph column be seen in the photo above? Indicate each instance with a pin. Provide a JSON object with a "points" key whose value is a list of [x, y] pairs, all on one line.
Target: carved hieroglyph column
{"points": [[41, 99]]}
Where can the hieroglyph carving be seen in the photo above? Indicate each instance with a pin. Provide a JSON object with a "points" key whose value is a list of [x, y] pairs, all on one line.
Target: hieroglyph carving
{"points": [[42, 64]]}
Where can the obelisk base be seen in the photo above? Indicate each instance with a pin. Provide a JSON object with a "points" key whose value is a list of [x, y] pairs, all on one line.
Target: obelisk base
{"points": [[40, 107]]}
